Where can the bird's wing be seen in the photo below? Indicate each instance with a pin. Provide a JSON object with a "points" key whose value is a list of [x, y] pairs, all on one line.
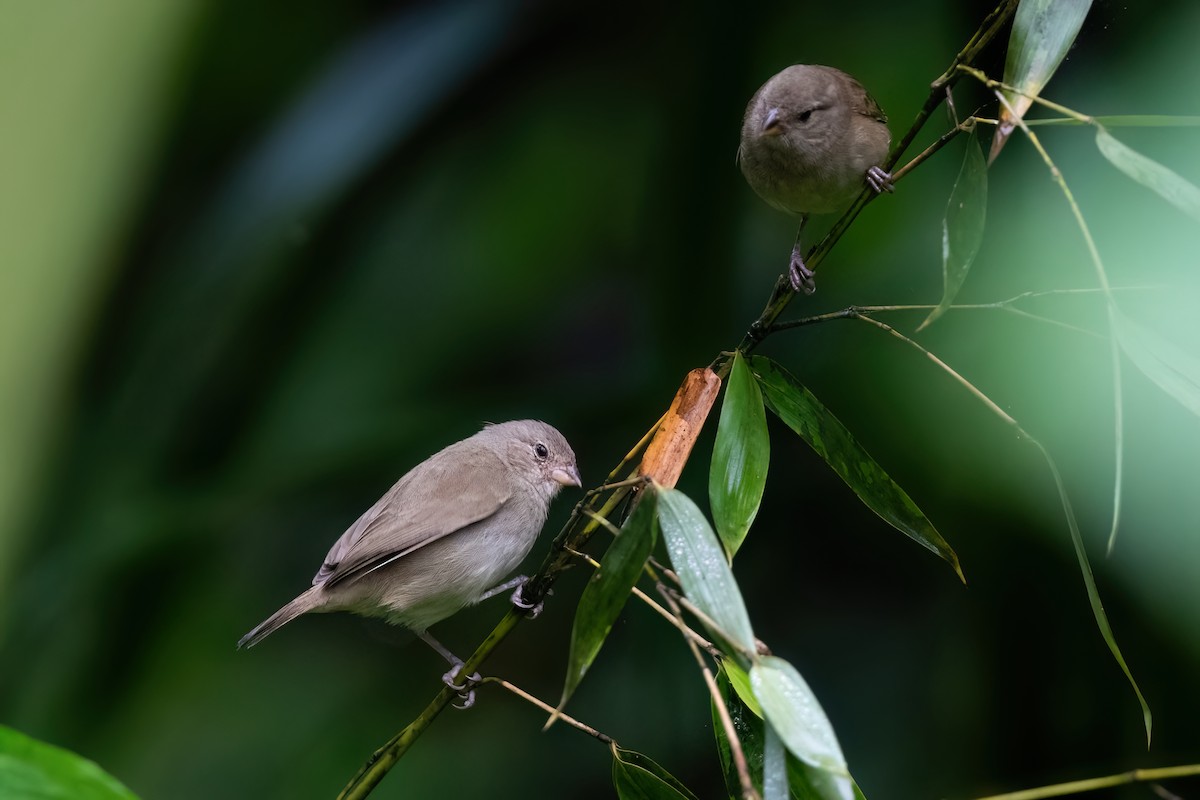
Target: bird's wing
{"points": [[435, 499], [866, 105]]}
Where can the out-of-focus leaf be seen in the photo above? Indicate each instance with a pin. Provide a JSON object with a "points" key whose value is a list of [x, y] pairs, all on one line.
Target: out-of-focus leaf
{"points": [[740, 457], [377, 93], [637, 777], [1180, 193], [804, 414], [700, 563], [962, 227], [64, 207], [1124, 121], [1176, 371], [775, 776], [605, 594], [1043, 31], [1093, 593], [39, 771], [793, 711]]}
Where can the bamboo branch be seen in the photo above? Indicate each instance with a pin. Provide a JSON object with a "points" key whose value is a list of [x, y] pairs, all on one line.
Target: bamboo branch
{"points": [[667, 447], [782, 294]]}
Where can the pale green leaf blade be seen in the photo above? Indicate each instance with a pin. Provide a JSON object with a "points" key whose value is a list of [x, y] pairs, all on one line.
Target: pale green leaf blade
{"points": [[739, 679], [1124, 121], [740, 457], [1176, 371], [803, 780], [775, 776], [33, 769], [803, 413], [1043, 31], [637, 777], [792, 709], [1177, 191], [962, 226], [1093, 592], [605, 593], [700, 563]]}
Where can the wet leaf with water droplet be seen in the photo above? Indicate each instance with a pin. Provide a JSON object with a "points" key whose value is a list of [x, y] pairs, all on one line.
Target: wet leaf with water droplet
{"points": [[792, 709], [699, 560]]}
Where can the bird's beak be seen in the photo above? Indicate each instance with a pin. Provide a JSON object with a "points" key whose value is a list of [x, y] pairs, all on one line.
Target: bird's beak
{"points": [[771, 126], [568, 476]]}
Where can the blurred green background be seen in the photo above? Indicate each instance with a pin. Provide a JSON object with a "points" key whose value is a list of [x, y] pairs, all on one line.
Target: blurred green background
{"points": [[256, 262]]}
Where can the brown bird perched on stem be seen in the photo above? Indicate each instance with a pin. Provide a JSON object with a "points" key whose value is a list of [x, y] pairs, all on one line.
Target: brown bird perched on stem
{"points": [[443, 536], [811, 139]]}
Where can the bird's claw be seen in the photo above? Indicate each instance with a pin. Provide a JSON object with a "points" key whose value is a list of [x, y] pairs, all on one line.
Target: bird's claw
{"points": [[532, 610], [466, 689], [802, 278], [879, 180]]}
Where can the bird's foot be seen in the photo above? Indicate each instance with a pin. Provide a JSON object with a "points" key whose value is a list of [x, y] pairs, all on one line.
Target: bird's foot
{"points": [[466, 689], [532, 610], [504, 587], [801, 277], [879, 181]]}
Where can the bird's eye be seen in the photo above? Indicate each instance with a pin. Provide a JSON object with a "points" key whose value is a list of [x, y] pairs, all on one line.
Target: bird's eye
{"points": [[540, 451], [805, 114]]}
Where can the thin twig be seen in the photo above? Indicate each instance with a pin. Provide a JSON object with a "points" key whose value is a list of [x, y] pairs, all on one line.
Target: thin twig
{"points": [[602, 522], [966, 126], [580, 525], [1085, 567], [1008, 306], [558, 714], [678, 622], [708, 621], [735, 744], [1091, 784], [1114, 345], [782, 293]]}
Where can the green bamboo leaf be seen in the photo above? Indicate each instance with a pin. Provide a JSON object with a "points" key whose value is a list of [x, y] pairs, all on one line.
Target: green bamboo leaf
{"points": [[1043, 31], [740, 457], [605, 594], [962, 226], [775, 776], [1170, 186], [1176, 371], [700, 563], [1093, 593], [746, 724], [33, 769], [792, 708], [739, 679], [803, 413], [803, 780], [637, 777], [793, 711]]}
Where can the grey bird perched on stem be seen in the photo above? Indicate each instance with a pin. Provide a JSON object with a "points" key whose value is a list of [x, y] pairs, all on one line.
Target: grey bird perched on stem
{"points": [[443, 536], [811, 138]]}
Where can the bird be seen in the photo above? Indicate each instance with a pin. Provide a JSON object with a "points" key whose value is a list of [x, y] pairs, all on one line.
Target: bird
{"points": [[812, 138], [443, 536]]}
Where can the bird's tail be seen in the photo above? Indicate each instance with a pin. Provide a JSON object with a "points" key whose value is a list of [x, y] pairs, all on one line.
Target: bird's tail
{"points": [[302, 604]]}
